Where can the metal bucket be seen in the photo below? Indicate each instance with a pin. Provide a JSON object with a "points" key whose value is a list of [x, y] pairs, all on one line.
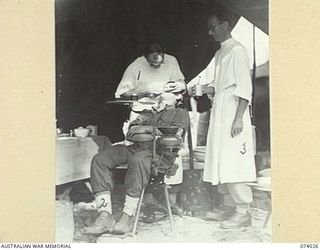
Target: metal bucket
{"points": [[64, 223], [203, 127]]}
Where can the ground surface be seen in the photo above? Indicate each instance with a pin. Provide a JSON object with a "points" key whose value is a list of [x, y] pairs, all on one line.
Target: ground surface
{"points": [[187, 228]]}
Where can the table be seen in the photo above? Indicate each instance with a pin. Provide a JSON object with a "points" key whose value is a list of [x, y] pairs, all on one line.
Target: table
{"points": [[74, 155], [73, 159]]}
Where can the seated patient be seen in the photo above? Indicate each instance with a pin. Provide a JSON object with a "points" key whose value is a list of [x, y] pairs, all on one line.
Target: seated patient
{"points": [[139, 158]]}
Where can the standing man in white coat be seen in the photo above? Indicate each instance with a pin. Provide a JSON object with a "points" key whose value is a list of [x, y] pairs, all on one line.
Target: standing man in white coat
{"points": [[229, 160]]}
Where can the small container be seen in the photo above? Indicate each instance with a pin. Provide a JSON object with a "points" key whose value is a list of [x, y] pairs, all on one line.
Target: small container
{"points": [[64, 222], [81, 132], [93, 130], [198, 90]]}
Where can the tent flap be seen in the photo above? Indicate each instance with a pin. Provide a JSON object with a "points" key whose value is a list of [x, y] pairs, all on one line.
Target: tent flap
{"points": [[255, 11]]}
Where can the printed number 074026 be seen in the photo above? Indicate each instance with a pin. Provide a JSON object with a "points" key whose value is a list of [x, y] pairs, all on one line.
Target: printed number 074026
{"points": [[309, 245]]}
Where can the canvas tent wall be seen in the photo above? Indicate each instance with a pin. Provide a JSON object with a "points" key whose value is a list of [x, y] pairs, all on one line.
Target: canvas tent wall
{"points": [[97, 39]]}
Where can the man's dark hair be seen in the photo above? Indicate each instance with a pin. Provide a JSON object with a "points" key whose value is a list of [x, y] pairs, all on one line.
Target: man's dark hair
{"points": [[152, 48], [223, 14]]}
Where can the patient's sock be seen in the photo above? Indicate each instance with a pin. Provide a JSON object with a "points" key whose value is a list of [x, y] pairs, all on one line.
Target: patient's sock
{"points": [[103, 202], [130, 205]]}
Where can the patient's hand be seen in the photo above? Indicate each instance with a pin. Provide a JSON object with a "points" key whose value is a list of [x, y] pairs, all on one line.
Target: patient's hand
{"points": [[141, 130], [175, 87]]}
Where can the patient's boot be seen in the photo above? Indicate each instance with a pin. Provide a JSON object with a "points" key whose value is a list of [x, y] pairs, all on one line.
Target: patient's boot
{"points": [[126, 221], [105, 221], [103, 224], [124, 224]]}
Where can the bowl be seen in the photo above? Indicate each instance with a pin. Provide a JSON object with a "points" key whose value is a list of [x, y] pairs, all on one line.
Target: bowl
{"points": [[199, 156], [200, 148], [199, 153], [265, 173], [264, 180], [81, 132], [168, 130]]}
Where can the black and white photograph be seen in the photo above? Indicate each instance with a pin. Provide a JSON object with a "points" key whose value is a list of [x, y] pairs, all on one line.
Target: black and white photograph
{"points": [[162, 115]]}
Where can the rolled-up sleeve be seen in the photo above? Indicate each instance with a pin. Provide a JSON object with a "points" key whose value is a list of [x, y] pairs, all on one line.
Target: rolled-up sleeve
{"points": [[242, 74], [128, 80]]}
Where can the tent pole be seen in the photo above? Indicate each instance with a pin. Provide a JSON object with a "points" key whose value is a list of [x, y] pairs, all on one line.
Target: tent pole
{"points": [[253, 76]]}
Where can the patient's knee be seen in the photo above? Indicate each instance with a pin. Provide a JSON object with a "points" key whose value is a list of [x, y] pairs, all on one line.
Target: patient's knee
{"points": [[140, 160]]}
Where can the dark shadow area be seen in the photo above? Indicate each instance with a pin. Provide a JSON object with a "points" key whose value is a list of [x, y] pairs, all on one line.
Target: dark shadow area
{"points": [[96, 40]]}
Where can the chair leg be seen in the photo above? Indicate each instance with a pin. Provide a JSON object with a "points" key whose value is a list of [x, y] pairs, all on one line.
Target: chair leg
{"points": [[88, 185], [169, 208], [138, 212]]}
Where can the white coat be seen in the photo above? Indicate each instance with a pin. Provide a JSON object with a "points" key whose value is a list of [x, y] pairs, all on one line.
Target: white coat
{"points": [[230, 159]]}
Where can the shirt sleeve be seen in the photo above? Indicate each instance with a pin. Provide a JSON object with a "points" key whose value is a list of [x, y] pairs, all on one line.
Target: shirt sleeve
{"points": [[242, 74], [128, 80]]}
